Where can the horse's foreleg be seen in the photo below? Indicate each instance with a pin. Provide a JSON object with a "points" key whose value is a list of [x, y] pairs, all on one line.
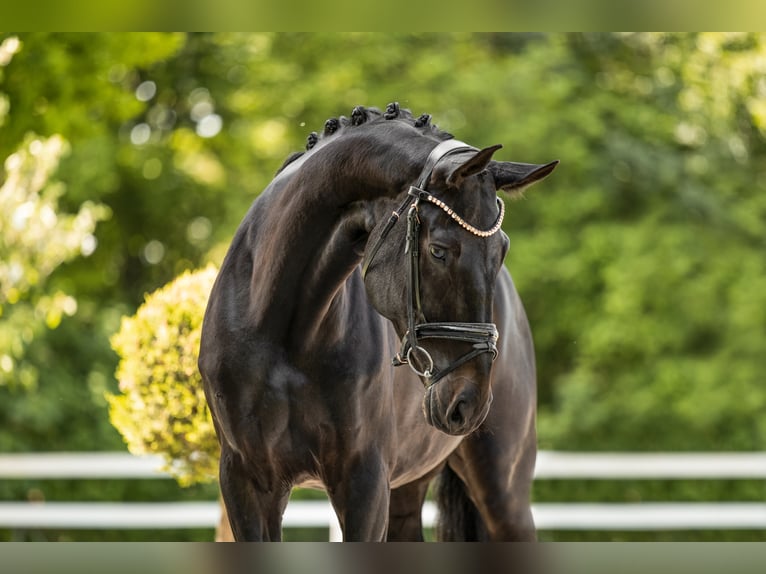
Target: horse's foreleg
{"points": [[255, 513], [498, 481], [361, 498], [405, 522]]}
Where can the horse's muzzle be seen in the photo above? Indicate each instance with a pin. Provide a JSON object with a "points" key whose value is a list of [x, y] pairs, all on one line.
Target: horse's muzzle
{"points": [[458, 413]]}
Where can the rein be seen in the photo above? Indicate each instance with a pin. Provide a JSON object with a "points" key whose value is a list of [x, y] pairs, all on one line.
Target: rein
{"points": [[482, 336]]}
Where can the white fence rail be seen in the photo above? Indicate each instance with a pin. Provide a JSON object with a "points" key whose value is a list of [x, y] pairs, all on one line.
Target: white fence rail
{"points": [[548, 516], [550, 465]]}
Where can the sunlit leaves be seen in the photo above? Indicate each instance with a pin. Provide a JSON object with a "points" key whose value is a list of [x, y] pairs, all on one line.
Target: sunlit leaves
{"points": [[161, 406], [35, 239]]}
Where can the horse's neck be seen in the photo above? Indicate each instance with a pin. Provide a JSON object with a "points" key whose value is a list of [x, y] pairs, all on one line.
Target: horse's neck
{"points": [[307, 241]]}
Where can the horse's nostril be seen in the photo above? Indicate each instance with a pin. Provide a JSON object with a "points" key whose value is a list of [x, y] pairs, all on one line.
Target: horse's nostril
{"points": [[457, 413]]}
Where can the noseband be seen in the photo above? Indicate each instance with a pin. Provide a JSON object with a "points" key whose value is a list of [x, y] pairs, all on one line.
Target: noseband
{"points": [[482, 336]]}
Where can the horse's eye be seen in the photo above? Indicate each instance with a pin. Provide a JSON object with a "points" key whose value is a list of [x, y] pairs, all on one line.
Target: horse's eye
{"points": [[438, 252]]}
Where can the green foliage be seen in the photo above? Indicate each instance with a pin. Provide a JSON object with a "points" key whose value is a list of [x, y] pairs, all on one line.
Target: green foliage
{"points": [[59, 113], [34, 241], [161, 406], [643, 270]]}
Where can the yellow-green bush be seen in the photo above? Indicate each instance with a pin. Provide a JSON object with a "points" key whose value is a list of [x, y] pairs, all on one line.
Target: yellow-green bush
{"points": [[161, 407]]}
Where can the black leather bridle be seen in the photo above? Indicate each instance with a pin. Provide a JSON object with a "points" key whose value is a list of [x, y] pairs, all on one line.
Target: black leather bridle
{"points": [[482, 336]]}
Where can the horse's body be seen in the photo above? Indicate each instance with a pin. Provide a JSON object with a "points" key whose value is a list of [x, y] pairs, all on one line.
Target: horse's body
{"points": [[296, 360]]}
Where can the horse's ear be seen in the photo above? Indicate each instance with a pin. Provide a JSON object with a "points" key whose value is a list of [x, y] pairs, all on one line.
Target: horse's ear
{"points": [[515, 177], [472, 166]]}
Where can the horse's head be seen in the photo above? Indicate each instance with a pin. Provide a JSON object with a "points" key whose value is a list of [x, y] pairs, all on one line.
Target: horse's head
{"points": [[434, 274]]}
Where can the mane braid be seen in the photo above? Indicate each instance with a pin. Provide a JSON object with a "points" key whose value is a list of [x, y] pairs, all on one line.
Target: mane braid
{"points": [[336, 127]]}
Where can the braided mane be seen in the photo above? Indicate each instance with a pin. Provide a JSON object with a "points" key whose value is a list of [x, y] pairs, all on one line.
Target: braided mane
{"points": [[335, 127]]}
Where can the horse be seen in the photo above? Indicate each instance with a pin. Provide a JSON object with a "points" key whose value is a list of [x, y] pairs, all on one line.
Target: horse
{"points": [[364, 337]]}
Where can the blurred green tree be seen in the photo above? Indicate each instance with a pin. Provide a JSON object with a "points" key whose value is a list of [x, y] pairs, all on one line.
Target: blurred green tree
{"points": [[61, 113], [35, 240], [644, 272]]}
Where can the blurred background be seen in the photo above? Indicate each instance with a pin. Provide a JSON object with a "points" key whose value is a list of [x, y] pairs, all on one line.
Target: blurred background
{"points": [[129, 160]]}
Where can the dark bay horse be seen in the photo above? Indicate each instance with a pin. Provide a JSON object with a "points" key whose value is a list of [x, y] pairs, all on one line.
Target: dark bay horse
{"points": [[381, 241]]}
